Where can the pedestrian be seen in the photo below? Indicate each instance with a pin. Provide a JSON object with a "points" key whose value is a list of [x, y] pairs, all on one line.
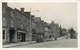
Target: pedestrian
{"points": [[55, 36], [67, 35], [49, 37], [42, 39]]}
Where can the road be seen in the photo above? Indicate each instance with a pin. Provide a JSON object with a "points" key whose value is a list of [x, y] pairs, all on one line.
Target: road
{"points": [[60, 43]]}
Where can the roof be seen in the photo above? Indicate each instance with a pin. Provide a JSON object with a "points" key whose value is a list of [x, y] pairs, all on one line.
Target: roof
{"points": [[7, 7], [37, 19], [21, 12]]}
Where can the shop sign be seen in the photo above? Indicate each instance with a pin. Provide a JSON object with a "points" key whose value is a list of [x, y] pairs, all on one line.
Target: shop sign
{"points": [[21, 31]]}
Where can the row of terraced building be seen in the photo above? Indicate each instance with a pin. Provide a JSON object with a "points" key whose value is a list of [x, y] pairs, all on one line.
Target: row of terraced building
{"points": [[16, 25]]}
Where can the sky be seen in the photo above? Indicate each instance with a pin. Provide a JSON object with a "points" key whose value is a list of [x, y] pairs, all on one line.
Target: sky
{"points": [[63, 13]]}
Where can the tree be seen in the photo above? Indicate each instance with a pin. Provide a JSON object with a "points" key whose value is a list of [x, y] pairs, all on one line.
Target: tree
{"points": [[72, 33]]}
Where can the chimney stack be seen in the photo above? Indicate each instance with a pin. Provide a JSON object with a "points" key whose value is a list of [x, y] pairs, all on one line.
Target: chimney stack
{"points": [[4, 3], [27, 14], [22, 9], [53, 21], [32, 16]]}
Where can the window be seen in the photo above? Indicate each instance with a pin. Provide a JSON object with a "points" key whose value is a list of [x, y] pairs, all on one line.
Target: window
{"points": [[21, 26], [12, 23], [28, 28], [19, 36], [4, 21], [3, 10], [3, 34], [12, 14], [46, 29], [22, 18]]}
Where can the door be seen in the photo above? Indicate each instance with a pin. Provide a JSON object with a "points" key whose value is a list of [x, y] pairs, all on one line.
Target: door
{"points": [[12, 35], [23, 37]]}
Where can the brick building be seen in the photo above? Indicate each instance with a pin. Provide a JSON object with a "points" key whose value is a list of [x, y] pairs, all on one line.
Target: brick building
{"points": [[16, 24], [47, 31], [38, 24], [64, 31], [7, 20], [22, 22], [55, 29]]}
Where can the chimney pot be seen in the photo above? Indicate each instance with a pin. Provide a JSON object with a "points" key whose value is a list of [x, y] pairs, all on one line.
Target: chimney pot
{"points": [[4, 3], [22, 9]]}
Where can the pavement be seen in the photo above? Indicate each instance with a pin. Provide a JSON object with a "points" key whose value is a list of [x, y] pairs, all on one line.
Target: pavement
{"points": [[17, 44], [60, 43]]}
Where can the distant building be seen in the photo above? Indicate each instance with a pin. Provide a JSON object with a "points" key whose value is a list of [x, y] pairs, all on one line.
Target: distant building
{"points": [[64, 31], [54, 29], [16, 26], [38, 24], [34, 28], [47, 31]]}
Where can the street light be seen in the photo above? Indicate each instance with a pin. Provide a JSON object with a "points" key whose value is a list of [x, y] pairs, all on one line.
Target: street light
{"points": [[31, 25]]}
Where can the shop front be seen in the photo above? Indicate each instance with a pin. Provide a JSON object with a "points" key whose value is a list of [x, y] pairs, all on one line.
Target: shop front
{"points": [[21, 35]]}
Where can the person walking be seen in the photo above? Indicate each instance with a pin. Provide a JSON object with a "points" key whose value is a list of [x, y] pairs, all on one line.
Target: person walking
{"points": [[55, 36], [67, 35]]}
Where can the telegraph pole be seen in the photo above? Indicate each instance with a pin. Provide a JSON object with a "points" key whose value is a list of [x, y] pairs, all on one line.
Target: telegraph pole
{"points": [[30, 26]]}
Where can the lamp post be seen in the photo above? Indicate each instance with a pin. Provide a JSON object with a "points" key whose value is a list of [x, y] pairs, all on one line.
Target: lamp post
{"points": [[31, 26]]}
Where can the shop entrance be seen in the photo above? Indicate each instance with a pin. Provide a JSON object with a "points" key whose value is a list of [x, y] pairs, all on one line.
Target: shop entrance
{"points": [[12, 35], [23, 37]]}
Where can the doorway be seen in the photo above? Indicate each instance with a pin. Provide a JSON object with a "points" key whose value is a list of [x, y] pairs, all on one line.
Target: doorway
{"points": [[23, 37], [12, 35]]}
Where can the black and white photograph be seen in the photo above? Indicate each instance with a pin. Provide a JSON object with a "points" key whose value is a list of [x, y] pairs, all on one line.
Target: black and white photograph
{"points": [[39, 25]]}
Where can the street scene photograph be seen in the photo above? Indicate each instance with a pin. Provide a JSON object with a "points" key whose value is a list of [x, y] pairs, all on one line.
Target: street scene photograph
{"points": [[39, 25]]}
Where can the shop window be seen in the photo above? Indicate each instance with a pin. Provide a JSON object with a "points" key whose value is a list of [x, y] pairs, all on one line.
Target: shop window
{"points": [[4, 21], [19, 36], [4, 34]]}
